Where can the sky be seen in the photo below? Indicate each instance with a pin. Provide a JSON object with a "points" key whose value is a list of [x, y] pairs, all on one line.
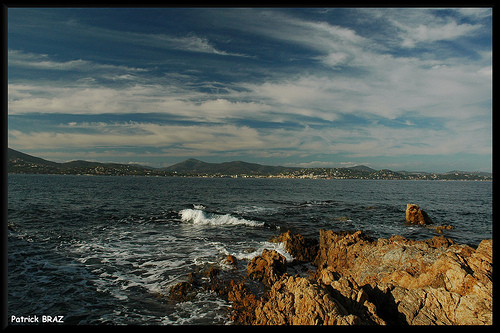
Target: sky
{"points": [[389, 88]]}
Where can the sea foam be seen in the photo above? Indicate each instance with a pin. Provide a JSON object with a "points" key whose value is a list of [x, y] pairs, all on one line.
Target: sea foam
{"points": [[199, 217]]}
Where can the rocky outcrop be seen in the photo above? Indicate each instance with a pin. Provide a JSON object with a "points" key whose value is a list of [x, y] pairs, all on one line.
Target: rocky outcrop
{"points": [[452, 283], [182, 291], [302, 249], [267, 267], [362, 281], [415, 215], [298, 301]]}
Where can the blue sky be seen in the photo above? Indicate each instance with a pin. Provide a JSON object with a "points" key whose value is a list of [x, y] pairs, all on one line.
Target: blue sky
{"points": [[397, 88]]}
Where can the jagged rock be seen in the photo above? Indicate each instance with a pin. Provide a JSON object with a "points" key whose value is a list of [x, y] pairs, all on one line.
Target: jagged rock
{"points": [[230, 260], [267, 267], [297, 301], [352, 297], [243, 304], [436, 271], [301, 249], [415, 215], [182, 291], [360, 280], [439, 228]]}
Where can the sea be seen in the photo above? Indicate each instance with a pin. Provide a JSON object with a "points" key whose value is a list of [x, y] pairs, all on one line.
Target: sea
{"points": [[107, 249]]}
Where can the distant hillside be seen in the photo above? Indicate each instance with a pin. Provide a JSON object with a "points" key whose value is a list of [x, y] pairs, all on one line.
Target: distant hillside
{"points": [[18, 162], [193, 166], [362, 168], [13, 155], [23, 163]]}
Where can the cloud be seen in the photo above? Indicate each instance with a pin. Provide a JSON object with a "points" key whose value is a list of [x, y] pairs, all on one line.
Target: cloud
{"points": [[413, 35], [423, 27], [197, 137], [326, 164], [18, 58], [224, 140], [350, 92], [189, 42]]}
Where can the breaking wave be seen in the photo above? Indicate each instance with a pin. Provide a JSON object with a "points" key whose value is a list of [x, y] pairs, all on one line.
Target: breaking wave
{"points": [[199, 217]]}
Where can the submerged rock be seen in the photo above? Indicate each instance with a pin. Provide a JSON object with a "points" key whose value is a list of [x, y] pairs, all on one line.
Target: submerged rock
{"points": [[182, 291]]}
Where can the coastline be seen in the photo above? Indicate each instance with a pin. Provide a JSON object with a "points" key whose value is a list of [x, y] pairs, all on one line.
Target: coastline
{"points": [[348, 278]]}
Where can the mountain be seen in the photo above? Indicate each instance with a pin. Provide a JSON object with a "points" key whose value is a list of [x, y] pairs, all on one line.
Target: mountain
{"points": [[23, 163], [362, 168], [13, 155], [478, 173], [193, 166], [18, 162]]}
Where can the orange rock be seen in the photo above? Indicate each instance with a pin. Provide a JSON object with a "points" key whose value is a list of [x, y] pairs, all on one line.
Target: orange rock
{"points": [[415, 215], [436, 270], [267, 267], [301, 249], [297, 301]]}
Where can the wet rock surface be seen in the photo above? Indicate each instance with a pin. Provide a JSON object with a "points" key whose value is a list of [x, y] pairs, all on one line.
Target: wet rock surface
{"points": [[361, 281]]}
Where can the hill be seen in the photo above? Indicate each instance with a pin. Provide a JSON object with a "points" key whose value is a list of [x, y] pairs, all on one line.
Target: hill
{"points": [[14, 155], [19, 162], [362, 168], [193, 166]]}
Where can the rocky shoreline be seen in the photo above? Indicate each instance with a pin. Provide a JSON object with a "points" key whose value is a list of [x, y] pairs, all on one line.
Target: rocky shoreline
{"points": [[348, 278]]}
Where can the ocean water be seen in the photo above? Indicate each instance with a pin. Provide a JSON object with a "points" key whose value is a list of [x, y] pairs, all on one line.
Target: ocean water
{"points": [[106, 250]]}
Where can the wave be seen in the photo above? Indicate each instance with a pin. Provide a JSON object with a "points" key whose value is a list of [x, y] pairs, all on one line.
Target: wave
{"points": [[199, 217], [278, 247]]}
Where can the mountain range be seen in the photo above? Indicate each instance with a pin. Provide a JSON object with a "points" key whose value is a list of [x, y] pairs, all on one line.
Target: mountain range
{"points": [[19, 162], [229, 168]]}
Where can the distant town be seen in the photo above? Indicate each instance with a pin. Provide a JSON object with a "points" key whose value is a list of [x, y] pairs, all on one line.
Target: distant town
{"points": [[20, 163]]}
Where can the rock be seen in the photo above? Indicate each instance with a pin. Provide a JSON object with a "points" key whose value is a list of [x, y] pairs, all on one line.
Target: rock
{"points": [[182, 291], [212, 273], [297, 301], [333, 248], [267, 267], [302, 249], [439, 229], [352, 297], [243, 303], [446, 275], [230, 260], [415, 215], [360, 280], [437, 306]]}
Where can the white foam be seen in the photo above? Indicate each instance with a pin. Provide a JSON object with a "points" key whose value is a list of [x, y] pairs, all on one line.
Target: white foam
{"points": [[256, 209], [278, 247], [200, 217]]}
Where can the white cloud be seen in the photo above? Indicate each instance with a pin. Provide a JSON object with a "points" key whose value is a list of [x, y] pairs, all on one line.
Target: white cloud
{"points": [[195, 138], [451, 93], [43, 62], [189, 42], [421, 33], [326, 164]]}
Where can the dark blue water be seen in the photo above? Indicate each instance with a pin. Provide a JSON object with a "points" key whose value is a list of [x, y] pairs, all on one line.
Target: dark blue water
{"points": [[102, 250]]}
